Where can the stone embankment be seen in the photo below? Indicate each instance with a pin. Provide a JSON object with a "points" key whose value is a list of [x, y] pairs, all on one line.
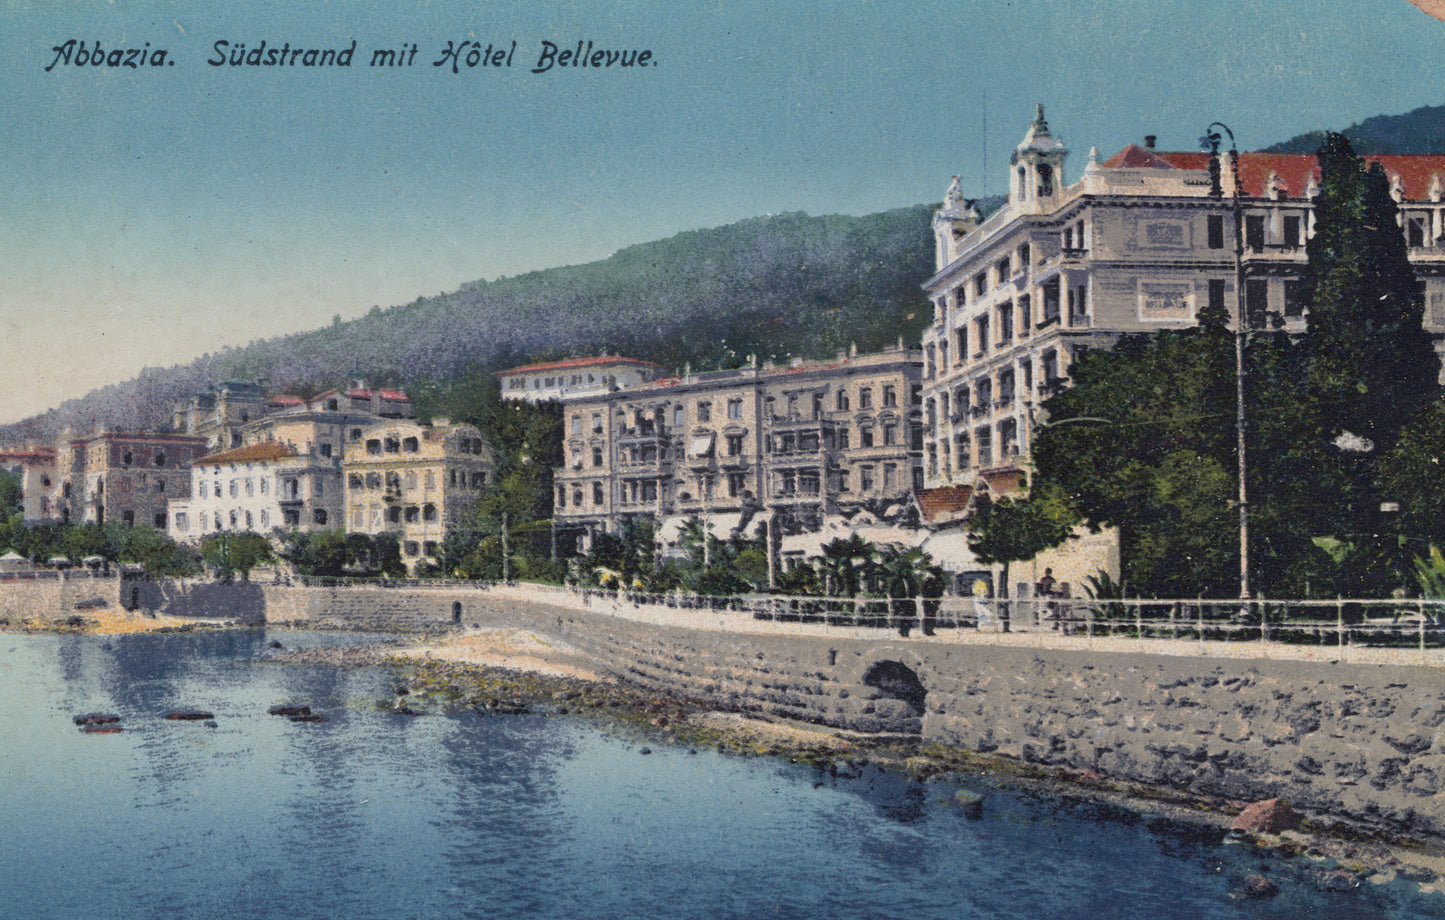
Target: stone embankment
{"points": [[1345, 737], [1357, 742]]}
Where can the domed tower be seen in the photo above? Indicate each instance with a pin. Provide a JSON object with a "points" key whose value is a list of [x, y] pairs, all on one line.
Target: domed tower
{"points": [[1037, 164], [951, 223]]}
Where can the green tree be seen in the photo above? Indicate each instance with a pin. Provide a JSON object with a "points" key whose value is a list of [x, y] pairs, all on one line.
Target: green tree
{"points": [[844, 565], [1371, 364], [9, 492], [233, 553], [1012, 530], [161, 556]]}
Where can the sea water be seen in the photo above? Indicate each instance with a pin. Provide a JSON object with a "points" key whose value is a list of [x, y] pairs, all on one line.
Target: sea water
{"points": [[374, 814]]}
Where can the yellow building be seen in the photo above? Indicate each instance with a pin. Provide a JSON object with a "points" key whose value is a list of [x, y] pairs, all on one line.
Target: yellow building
{"points": [[415, 481]]}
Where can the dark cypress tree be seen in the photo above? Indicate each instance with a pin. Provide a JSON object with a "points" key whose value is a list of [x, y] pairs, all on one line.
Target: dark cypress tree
{"points": [[1371, 363]]}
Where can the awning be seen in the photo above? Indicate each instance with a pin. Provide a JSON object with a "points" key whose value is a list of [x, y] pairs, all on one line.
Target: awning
{"points": [[701, 445]]}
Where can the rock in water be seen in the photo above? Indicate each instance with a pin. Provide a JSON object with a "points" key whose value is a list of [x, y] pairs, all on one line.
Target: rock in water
{"points": [[96, 718], [189, 715], [971, 803], [1256, 888], [1267, 817]]}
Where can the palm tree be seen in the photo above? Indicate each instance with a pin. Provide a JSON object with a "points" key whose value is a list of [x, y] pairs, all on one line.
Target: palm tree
{"points": [[844, 565]]}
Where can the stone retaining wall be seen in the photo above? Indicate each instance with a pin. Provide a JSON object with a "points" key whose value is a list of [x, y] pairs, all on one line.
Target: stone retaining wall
{"points": [[1362, 741], [56, 598]]}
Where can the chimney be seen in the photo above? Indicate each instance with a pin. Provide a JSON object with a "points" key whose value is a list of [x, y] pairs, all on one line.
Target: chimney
{"points": [[1149, 140]]}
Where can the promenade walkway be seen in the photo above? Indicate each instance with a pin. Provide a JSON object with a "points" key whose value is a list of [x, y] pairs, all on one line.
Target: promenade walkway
{"points": [[1024, 636]]}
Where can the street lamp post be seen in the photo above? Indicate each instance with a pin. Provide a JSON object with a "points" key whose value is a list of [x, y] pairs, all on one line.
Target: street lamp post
{"points": [[1212, 139]]}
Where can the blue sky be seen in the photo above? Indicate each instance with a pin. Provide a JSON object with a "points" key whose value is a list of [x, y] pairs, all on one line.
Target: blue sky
{"points": [[150, 215]]}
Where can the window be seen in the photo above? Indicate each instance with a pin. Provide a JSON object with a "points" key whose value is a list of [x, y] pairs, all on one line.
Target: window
{"points": [[890, 473], [319, 516], [234, 488], [373, 446], [325, 449], [248, 520], [1005, 323], [1256, 302], [842, 437], [678, 417], [1254, 232], [704, 412], [735, 444], [980, 335], [889, 434], [596, 456], [890, 395], [1216, 296], [865, 478], [410, 445], [411, 547], [321, 487], [1415, 233], [865, 398], [597, 422], [1294, 298], [265, 519], [160, 458], [160, 520], [735, 408], [183, 521], [865, 436], [1292, 233], [356, 434], [1214, 226], [479, 479], [596, 493], [332, 405], [842, 400], [410, 480], [561, 496]]}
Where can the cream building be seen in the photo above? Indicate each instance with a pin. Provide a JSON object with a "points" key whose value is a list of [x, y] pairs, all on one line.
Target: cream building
{"points": [[1141, 241], [415, 481], [794, 442], [574, 377], [259, 488]]}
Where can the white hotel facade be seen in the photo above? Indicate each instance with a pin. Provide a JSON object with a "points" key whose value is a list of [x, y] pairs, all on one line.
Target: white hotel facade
{"points": [[1137, 244]]}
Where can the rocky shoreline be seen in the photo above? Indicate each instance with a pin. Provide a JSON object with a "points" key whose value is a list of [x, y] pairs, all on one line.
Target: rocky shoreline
{"points": [[1329, 860], [511, 671]]}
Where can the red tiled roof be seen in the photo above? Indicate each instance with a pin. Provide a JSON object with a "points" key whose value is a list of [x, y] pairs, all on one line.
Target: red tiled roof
{"points": [[32, 455], [1292, 169], [943, 501], [1003, 482], [263, 452], [394, 395], [568, 363], [287, 401]]}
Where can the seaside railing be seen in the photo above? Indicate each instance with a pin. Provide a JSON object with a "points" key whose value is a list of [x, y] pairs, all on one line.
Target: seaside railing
{"points": [[1390, 622], [1374, 622]]}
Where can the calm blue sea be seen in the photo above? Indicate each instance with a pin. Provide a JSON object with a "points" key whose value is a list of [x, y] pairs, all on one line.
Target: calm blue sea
{"points": [[377, 815]]}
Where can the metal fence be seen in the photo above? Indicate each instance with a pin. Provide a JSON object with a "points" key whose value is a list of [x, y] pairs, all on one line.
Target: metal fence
{"points": [[1412, 623]]}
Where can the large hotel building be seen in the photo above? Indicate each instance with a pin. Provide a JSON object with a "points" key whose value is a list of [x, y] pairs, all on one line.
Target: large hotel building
{"points": [[1137, 244], [793, 442]]}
